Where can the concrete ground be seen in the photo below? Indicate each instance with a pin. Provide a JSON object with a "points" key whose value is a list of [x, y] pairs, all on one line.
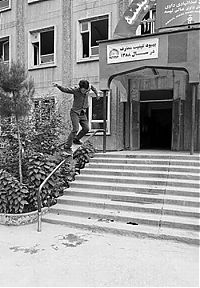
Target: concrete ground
{"points": [[61, 256]]}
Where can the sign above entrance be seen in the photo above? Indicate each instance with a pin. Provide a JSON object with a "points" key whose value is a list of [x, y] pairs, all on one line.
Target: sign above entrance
{"points": [[132, 51]]}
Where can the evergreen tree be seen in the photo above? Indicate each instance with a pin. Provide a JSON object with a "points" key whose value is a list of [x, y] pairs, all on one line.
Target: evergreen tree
{"points": [[16, 91]]}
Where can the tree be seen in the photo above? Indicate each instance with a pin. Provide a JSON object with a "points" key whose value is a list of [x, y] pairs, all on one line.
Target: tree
{"points": [[39, 134], [16, 91]]}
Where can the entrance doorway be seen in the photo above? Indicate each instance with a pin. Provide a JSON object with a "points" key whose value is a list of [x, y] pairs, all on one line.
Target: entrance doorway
{"points": [[156, 119]]}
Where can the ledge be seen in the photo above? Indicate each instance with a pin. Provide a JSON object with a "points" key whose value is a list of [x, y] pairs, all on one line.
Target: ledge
{"points": [[20, 219], [45, 66]]}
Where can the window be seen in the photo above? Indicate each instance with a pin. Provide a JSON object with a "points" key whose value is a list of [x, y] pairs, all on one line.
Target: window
{"points": [[95, 113], [4, 4], [42, 48], [4, 49], [147, 25], [93, 31], [43, 109]]}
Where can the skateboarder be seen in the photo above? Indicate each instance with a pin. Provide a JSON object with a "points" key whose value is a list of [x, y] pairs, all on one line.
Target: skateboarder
{"points": [[78, 111]]}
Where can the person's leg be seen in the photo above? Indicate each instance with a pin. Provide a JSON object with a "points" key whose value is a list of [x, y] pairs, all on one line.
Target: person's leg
{"points": [[75, 127], [85, 128]]}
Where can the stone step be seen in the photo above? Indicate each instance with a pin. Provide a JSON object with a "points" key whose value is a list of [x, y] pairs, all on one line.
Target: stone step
{"points": [[127, 172], [156, 208], [154, 155], [119, 228], [135, 180], [141, 194], [130, 193], [127, 216], [157, 168], [149, 161]]}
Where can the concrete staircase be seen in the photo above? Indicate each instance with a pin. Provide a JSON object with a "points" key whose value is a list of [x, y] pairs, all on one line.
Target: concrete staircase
{"points": [[143, 194]]}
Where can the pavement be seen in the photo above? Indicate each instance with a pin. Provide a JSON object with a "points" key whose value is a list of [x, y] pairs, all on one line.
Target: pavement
{"points": [[64, 257]]}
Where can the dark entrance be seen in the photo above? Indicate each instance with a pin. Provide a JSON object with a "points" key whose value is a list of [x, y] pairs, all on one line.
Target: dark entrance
{"points": [[156, 119]]}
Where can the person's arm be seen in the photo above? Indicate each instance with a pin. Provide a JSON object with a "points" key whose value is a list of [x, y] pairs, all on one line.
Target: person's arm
{"points": [[95, 92], [69, 90]]}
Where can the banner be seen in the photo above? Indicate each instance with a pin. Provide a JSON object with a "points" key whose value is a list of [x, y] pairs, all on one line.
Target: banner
{"points": [[176, 12], [132, 51]]}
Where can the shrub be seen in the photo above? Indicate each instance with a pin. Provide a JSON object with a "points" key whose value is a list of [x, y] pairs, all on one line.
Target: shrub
{"points": [[38, 144], [83, 154], [45, 137], [13, 195], [39, 166]]}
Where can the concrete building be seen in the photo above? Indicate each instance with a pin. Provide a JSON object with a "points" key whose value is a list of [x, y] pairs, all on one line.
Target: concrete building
{"points": [[144, 52]]}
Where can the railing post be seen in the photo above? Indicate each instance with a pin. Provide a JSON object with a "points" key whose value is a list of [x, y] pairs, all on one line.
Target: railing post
{"points": [[39, 210], [104, 119]]}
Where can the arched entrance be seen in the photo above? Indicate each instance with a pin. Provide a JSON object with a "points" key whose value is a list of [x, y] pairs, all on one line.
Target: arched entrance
{"points": [[152, 107]]}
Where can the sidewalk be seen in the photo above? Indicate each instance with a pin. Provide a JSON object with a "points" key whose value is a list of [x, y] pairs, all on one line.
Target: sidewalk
{"points": [[61, 256]]}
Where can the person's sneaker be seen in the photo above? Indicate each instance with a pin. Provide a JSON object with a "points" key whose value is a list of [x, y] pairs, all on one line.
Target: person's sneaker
{"points": [[78, 142]]}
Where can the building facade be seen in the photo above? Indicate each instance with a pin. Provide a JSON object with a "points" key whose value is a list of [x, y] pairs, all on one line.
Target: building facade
{"points": [[152, 97], [158, 74]]}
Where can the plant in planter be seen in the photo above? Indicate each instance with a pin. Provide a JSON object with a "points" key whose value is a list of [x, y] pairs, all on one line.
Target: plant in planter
{"points": [[31, 143], [32, 149], [37, 160]]}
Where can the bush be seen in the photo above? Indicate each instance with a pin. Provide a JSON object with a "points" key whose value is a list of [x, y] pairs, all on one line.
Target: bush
{"points": [[36, 167], [83, 154], [13, 196], [39, 166]]}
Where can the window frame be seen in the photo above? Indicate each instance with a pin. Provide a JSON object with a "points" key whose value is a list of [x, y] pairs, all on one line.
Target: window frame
{"points": [[37, 32], [90, 110], [91, 57], [6, 39], [6, 8]]}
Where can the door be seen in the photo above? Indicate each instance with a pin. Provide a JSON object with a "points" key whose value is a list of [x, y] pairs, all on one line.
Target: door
{"points": [[176, 124], [156, 119], [135, 125]]}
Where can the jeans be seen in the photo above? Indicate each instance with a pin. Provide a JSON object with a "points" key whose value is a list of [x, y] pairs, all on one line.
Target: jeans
{"points": [[76, 120]]}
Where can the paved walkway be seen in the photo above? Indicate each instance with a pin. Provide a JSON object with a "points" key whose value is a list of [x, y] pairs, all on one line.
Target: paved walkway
{"points": [[60, 256]]}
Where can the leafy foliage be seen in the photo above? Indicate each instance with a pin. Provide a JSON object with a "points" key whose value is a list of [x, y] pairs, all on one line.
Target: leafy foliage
{"points": [[45, 138], [37, 160], [83, 154], [13, 196], [39, 166]]}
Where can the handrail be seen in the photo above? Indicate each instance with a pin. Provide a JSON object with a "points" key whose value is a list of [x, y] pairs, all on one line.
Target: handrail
{"points": [[49, 176]]}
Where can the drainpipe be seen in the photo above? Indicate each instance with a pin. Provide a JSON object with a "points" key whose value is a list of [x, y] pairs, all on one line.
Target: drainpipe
{"points": [[194, 93]]}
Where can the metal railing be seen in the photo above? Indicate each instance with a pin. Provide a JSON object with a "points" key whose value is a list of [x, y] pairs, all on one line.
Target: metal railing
{"points": [[55, 169]]}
